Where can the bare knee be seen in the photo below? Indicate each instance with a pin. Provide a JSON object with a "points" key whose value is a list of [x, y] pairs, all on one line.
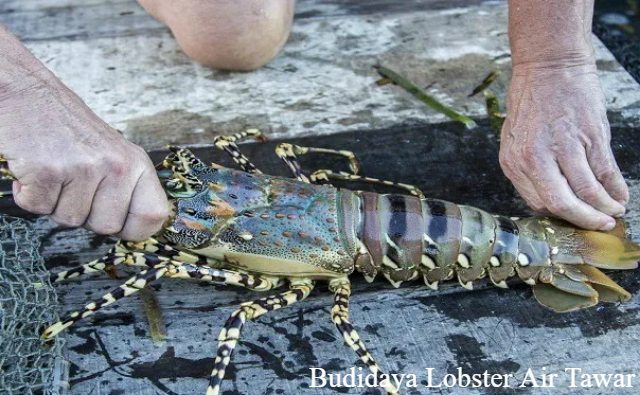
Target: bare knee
{"points": [[227, 34]]}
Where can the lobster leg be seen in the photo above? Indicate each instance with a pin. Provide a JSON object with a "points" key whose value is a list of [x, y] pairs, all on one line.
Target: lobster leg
{"points": [[6, 174], [253, 282], [153, 246], [289, 154], [228, 144], [232, 329], [340, 316], [133, 285], [163, 267], [109, 262], [4, 170], [105, 264], [327, 175], [124, 253]]}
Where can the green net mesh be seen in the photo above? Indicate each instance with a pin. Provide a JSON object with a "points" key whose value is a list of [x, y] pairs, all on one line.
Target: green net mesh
{"points": [[28, 303]]}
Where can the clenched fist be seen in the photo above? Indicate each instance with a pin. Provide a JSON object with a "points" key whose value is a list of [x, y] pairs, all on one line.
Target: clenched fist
{"points": [[69, 164]]}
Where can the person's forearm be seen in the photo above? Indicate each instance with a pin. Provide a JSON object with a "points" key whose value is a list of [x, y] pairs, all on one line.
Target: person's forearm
{"points": [[19, 69], [548, 33]]}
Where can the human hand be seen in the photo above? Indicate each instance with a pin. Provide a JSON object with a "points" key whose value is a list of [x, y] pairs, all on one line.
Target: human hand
{"points": [[71, 165], [555, 145]]}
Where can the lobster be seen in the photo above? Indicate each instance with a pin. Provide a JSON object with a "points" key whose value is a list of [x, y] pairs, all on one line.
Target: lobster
{"points": [[259, 232]]}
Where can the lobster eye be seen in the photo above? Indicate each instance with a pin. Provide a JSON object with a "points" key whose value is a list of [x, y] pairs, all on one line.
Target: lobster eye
{"points": [[173, 184], [164, 173]]}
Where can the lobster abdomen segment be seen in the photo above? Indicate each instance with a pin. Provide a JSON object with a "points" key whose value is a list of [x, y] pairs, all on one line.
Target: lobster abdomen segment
{"points": [[406, 237], [476, 245], [391, 231], [442, 225]]}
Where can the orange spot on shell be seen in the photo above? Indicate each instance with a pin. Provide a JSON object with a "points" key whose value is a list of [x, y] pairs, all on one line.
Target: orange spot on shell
{"points": [[191, 224], [279, 215], [220, 208], [216, 187], [279, 244], [287, 234]]}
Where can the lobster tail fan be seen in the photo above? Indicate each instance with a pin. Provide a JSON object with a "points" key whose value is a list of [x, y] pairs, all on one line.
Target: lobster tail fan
{"points": [[608, 290], [606, 250], [574, 280], [561, 301]]}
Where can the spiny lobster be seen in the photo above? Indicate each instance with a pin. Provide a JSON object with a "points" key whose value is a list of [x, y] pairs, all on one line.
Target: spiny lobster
{"points": [[251, 230]]}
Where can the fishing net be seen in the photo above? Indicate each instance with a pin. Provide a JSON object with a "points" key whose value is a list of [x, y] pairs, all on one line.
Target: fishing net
{"points": [[28, 303]]}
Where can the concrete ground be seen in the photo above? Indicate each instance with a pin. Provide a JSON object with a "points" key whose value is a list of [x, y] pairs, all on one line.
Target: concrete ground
{"points": [[128, 69]]}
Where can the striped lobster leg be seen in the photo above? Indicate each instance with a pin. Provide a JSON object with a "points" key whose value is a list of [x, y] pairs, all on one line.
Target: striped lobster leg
{"points": [[326, 175], [163, 267], [230, 333], [105, 264], [289, 154], [228, 144], [6, 174], [133, 285], [121, 253], [340, 315]]}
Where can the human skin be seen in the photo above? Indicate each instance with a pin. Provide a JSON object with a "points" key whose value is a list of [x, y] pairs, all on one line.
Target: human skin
{"points": [[555, 144], [227, 34], [69, 163]]}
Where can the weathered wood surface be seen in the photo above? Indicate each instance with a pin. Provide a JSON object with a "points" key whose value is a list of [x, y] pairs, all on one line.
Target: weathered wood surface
{"points": [[130, 71], [128, 68], [409, 329]]}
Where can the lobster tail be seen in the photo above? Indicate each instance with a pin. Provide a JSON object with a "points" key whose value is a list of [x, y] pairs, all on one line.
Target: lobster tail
{"points": [[565, 275], [405, 237]]}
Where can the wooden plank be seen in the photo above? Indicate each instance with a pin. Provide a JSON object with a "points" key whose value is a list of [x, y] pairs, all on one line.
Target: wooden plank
{"points": [[92, 20], [304, 8], [408, 329], [331, 8], [13, 6], [81, 20], [322, 83]]}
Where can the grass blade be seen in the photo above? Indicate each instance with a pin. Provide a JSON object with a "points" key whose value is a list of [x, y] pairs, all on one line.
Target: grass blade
{"points": [[424, 97]]}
